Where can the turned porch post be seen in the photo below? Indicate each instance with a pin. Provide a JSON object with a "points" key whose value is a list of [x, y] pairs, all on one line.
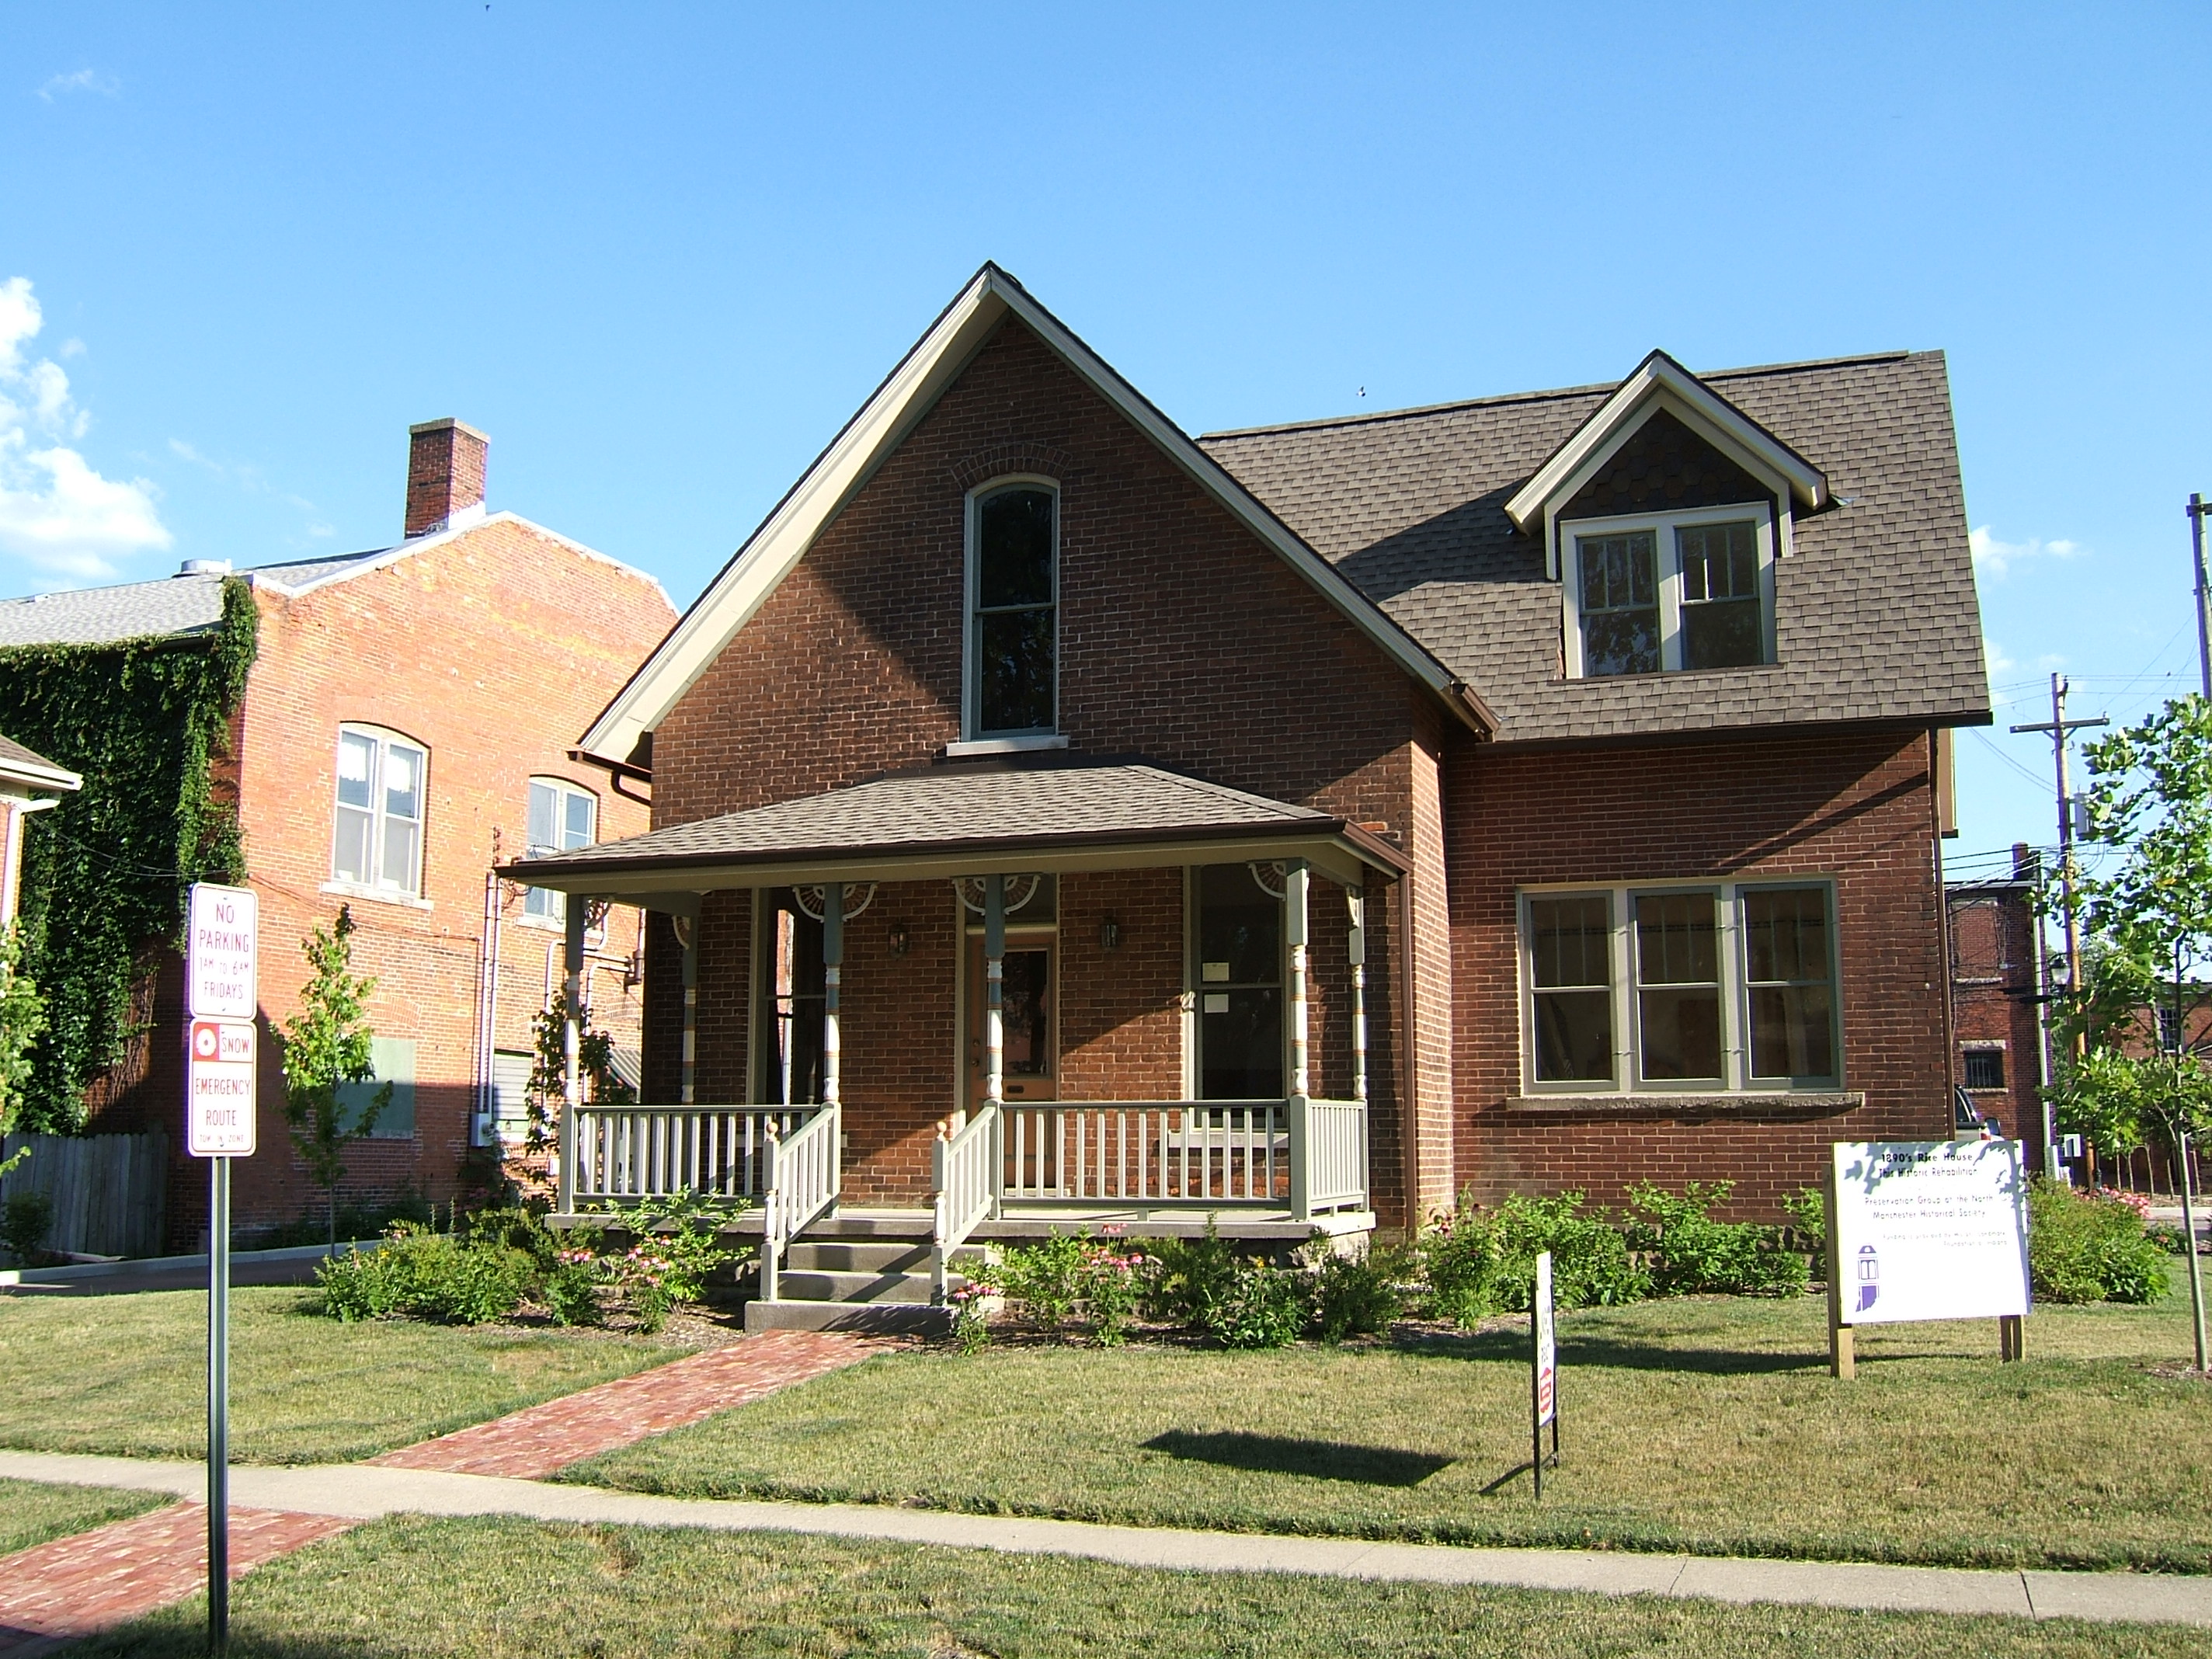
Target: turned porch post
{"points": [[994, 988], [833, 974], [1355, 950], [1295, 881], [577, 908], [687, 935]]}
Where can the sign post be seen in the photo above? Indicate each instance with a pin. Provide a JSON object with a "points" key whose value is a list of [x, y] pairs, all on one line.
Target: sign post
{"points": [[1543, 1372], [1926, 1229], [223, 994]]}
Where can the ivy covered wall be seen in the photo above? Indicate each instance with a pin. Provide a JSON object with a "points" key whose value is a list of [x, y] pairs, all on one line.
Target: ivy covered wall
{"points": [[105, 873]]}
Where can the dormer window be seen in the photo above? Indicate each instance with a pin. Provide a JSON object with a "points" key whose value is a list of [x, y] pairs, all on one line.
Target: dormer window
{"points": [[1013, 602], [1669, 590]]}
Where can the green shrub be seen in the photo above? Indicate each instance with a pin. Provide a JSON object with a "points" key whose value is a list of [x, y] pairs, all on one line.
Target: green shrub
{"points": [[1808, 1216], [1263, 1307], [516, 1229], [2082, 1247], [1692, 1254], [1047, 1278], [1357, 1296], [1113, 1286], [1479, 1262], [1184, 1277], [426, 1275], [354, 1287], [24, 1225]]}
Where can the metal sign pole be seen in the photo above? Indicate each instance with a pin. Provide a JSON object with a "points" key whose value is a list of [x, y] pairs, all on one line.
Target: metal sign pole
{"points": [[218, 1403]]}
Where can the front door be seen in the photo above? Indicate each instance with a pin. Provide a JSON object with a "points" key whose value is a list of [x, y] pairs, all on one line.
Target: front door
{"points": [[1030, 1017]]}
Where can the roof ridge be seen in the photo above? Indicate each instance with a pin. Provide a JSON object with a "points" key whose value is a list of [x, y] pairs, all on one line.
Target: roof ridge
{"points": [[1548, 395]]}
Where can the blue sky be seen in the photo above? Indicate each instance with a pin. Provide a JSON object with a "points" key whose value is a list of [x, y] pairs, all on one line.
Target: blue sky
{"points": [[660, 254]]}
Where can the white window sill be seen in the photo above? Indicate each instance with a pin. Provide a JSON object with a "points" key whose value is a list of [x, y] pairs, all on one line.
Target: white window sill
{"points": [[1652, 1102], [543, 924], [347, 889], [1004, 745]]}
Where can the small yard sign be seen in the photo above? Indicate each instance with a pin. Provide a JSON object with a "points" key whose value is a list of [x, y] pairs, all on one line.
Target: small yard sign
{"points": [[1925, 1230], [1543, 1371]]}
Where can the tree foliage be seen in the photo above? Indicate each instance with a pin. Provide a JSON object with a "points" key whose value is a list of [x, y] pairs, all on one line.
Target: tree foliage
{"points": [[328, 1043], [105, 872]]}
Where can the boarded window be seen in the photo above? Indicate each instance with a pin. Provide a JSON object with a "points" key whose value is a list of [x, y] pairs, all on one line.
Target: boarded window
{"points": [[394, 1060]]}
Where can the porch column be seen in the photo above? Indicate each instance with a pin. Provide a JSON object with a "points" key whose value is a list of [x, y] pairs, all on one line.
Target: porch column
{"points": [[577, 908], [994, 988], [687, 935], [1294, 910], [833, 974], [1356, 952]]}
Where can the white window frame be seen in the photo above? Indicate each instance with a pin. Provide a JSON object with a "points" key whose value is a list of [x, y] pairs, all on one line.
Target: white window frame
{"points": [[1735, 991], [1662, 525], [376, 887], [972, 740], [545, 907]]}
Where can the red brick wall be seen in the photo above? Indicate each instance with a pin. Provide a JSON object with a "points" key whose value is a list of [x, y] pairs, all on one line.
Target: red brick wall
{"points": [[1183, 638], [1993, 984], [1857, 806], [494, 649], [1121, 1013]]}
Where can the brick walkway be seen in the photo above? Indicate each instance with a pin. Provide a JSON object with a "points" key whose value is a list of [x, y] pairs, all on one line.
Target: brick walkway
{"points": [[534, 1443], [74, 1586]]}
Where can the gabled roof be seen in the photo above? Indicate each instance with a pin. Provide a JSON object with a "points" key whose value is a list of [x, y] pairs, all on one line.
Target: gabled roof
{"points": [[191, 603], [1875, 613], [973, 817], [1659, 382], [905, 396], [26, 768]]}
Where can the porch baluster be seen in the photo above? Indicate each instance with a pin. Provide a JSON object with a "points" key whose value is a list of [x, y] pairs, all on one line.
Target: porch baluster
{"points": [[833, 976], [1295, 881]]}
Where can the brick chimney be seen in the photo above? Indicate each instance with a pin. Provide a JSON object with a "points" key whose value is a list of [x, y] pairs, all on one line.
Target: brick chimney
{"points": [[445, 476]]}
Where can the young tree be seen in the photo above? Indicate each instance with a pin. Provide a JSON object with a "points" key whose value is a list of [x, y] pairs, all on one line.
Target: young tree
{"points": [[22, 1017], [327, 1045], [2150, 797]]}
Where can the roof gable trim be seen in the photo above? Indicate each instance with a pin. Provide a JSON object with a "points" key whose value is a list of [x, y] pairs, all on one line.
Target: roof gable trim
{"points": [[899, 404]]}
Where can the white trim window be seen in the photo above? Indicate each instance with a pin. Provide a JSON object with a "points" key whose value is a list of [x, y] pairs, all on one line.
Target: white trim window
{"points": [[383, 798], [1690, 990], [562, 818], [1657, 593], [1011, 694]]}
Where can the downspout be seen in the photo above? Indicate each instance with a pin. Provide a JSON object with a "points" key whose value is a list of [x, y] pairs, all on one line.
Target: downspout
{"points": [[1944, 935]]}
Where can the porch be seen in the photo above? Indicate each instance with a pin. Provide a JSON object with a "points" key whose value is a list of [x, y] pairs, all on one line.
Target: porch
{"points": [[1001, 1157]]}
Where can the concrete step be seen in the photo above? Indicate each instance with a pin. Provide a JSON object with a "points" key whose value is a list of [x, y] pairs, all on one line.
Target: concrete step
{"points": [[874, 1224], [885, 1318], [881, 1255], [816, 1285]]}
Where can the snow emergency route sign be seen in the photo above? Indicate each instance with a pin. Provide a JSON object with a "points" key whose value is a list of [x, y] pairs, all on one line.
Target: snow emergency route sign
{"points": [[220, 1062]]}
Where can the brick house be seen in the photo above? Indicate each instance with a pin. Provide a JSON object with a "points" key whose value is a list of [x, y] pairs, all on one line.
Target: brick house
{"points": [[1058, 818], [1997, 973], [406, 723]]}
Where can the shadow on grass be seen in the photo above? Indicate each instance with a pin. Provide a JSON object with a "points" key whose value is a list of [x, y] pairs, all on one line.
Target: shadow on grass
{"points": [[1617, 1354], [1320, 1460]]}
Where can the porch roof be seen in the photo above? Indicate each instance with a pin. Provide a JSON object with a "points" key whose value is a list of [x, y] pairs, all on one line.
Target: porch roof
{"points": [[970, 818]]}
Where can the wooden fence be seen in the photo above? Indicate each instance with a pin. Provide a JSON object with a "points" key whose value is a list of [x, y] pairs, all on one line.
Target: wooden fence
{"points": [[108, 1191]]}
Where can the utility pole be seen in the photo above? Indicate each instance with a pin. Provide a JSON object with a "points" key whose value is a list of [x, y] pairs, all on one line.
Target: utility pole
{"points": [[2198, 507], [2060, 728]]}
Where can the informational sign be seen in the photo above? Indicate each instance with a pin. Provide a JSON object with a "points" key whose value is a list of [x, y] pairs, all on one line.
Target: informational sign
{"points": [[1930, 1230], [221, 952], [1543, 1373]]}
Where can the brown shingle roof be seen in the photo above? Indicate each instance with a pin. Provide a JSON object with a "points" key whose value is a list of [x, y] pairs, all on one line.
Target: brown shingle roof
{"points": [[1876, 616]]}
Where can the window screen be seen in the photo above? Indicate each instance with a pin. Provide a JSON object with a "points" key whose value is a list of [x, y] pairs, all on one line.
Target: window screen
{"points": [[1570, 974], [1619, 602], [1678, 990], [1240, 986], [1016, 539], [1789, 976], [793, 990], [1720, 595]]}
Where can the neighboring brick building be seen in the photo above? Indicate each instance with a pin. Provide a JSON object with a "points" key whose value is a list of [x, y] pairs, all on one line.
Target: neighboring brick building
{"points": [[1647, 860], [407, 722], [1996, 972]]}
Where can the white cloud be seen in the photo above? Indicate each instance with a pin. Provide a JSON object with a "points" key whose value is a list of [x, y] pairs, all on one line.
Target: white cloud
{"points": [[2000, 668], [1996, 558], [56, 512], [84, 80]]}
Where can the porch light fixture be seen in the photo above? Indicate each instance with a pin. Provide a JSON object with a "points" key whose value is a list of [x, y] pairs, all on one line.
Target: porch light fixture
{"points": [[1110, 933], [898, 939]]}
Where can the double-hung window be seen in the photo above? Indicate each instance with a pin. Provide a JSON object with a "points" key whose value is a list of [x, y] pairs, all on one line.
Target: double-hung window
{"points": [[562, 817], [1647, 595], [1696, 989], [1013, 691], [383, 793]]}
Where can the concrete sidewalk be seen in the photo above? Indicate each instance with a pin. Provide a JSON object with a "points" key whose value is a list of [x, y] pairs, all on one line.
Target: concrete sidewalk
{"points": [[366, 1492]]}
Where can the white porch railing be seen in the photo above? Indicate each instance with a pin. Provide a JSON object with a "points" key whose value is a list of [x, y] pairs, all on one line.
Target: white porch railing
{"points": [[965, 1166], [1217, 1152], [804, 1176], [620, 1154]]}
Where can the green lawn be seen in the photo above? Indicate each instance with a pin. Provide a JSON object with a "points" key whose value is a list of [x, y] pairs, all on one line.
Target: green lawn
{"points": [[127, 1375], [31, 1512], [1708, 1426], [513, 1590]]}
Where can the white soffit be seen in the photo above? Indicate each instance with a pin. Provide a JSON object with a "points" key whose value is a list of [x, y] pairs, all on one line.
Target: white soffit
{"points": [[899, 404], [1660, 381]]}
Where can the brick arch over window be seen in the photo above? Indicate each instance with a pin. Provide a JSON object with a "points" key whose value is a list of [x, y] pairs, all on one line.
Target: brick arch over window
{"points": [[1002, 460]]}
